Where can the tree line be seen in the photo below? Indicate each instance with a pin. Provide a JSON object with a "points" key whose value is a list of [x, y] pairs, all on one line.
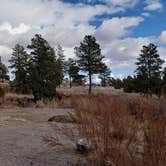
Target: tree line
{"points": [[41, 69], [149, 77]]}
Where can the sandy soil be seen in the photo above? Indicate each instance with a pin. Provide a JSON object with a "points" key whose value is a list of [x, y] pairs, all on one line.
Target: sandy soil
{"points": [[21, 142]]}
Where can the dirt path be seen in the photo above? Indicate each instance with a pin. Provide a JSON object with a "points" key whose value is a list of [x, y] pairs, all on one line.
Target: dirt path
{"points": [[21, 143]]}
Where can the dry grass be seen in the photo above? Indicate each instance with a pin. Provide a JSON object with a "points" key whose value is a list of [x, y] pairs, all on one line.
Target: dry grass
{"points": [[12, 100], [124, 131], [83, 90]]}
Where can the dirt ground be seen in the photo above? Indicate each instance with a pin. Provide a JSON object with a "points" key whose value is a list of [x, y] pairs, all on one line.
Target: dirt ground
{"points": [[21, 139]]}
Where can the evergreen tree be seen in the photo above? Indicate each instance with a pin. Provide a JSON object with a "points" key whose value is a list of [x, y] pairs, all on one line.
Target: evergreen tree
{"points": [[129, 84], [61, 64], [73, 71], [89, 57], [60, 55], [148, 69], [43, 69], [116, 83], [59, 72], [105, 75], [3, 72], [19, 64]]}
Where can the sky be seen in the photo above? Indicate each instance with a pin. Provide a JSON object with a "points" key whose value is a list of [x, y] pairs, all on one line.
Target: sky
{"points": [[121, 27]]}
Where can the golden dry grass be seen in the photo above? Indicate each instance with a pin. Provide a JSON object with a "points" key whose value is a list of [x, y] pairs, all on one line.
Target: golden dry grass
{"points": [[124, 131]]}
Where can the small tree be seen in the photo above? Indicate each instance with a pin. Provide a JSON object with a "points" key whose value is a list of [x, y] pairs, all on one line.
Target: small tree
{"points": [[148, 69], [3, 72], [42, 69], [73, 72], [59, 72], [19, 64], [105, 75], [89, 57], [72, 69], [61, 64]]}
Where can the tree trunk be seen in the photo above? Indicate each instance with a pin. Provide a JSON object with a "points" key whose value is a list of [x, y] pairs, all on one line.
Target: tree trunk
{"points": [[90, 82], [70, 83]]}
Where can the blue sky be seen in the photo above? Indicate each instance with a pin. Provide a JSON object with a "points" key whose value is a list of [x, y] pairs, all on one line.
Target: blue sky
{"points": [[121, 27]]}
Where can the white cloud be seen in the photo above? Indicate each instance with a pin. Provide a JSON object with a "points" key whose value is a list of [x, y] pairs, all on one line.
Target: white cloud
{"points": [[47, 12], [145, 14], [67, 37], [22, 28], [123, 3], [67, 24], [116, 27], [162, 37], [5, 53], [152, 5], [123, 53]]}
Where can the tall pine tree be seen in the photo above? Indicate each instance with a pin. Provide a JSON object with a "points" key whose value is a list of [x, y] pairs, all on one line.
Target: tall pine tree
{"points": [[42, 69], [19, 64], [89, 57], [148, 70]]}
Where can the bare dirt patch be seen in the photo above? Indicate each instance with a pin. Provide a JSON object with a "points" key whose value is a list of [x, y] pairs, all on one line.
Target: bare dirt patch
{"points": [[21, 141]]}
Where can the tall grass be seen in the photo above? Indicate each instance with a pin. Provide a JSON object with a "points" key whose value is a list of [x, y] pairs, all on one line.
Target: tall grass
{"points": [[123, 131]]}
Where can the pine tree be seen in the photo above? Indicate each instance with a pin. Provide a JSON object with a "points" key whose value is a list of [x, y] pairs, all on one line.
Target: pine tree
{"points": [[148, 69], [105, 75], [72, 69], [129, 84], [61, 64], [3, 72], [60, 55], [19, 64], [89, 57], [116, 83], [43, 69], [73, 72]]}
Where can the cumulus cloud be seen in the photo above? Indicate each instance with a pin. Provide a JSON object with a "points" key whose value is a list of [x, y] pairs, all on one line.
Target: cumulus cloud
{"points": [[162, 37], [22, 28], [152, 5], [125, 51], [66, 24], [5, 52], [123, 3], [45, 12], [116, 27]]}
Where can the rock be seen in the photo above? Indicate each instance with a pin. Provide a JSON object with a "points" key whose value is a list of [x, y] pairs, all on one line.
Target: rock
{"points": [[83, 145], [60, 119]]}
